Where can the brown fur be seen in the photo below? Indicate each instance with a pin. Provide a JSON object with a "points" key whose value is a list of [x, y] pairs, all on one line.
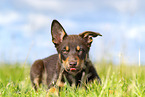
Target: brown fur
{"points": [[72, 61]]}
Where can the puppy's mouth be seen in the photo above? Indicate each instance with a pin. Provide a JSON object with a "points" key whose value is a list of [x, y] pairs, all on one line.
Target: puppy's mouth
{"points": [[73, 70]]}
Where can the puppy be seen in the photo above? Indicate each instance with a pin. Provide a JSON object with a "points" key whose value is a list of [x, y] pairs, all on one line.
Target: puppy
{"points": [[71, 63]]}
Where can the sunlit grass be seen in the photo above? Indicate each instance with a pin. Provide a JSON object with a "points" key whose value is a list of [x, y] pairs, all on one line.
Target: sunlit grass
{"points": [[117, 81]]}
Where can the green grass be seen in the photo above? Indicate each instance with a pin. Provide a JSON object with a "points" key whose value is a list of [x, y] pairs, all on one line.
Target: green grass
{"points": [[117, 81]]}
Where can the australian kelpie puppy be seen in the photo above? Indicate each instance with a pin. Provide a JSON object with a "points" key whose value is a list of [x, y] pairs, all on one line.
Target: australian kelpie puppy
{"points": [[72, 62]]}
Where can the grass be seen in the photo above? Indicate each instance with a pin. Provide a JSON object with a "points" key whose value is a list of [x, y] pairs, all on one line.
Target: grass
{"points": [[117, 81]]}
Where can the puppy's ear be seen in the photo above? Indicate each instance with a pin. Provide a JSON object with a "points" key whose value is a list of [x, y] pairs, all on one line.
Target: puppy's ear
{"points": [[87, 36], [58, 33]]}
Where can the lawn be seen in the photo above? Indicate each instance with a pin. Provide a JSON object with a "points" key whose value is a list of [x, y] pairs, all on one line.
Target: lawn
{"points": [[117, 81]]}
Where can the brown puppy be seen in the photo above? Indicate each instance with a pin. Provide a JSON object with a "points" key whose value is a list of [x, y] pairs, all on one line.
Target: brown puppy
{"points": [[71, 63]]}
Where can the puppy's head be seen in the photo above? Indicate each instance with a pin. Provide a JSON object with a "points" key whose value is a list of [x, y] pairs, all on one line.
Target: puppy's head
{"points": [[72, 49]]}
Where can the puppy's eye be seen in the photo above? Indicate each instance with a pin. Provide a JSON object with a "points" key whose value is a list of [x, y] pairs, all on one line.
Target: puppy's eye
{"points": [[80, 51], [64, 51]]}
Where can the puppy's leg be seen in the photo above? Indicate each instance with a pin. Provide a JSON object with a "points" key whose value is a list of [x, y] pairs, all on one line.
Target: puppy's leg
{"points": [[36, 72], [93, 75]]}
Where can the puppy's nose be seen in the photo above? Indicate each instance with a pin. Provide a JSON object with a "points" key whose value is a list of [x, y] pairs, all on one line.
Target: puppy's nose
{"points": [[72, 63]]}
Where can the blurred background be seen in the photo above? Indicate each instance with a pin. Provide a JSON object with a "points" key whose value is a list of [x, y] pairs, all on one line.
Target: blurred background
{"points": [[25, 28]]}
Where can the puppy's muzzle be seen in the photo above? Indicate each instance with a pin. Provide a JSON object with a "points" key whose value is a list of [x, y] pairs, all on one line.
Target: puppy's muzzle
{"points": [[72, 64]]}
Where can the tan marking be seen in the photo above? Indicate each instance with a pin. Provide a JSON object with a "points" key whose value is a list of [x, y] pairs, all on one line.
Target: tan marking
{"points": [[36, 81], [67, 48], [52, 91], [78, 60], [65, 62], [78, 48], [83, 79], [62, 35], [90, 40], [44, 77], [53, 41], [59, 56], [86, 34], [60, 84], [80, 63]]}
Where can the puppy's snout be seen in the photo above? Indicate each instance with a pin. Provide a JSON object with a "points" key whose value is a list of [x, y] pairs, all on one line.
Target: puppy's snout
{"points": [[72, 64]]}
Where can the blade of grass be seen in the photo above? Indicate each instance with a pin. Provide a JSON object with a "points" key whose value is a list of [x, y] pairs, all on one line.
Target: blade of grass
{"points": [[105, 84]]}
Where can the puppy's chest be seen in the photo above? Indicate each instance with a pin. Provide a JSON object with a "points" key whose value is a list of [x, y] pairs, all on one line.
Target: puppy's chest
{"points": [[73, 80]]}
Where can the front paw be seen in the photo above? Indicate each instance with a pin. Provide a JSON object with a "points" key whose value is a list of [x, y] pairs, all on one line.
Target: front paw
{"points": [[52, 92]]}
